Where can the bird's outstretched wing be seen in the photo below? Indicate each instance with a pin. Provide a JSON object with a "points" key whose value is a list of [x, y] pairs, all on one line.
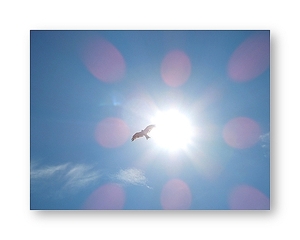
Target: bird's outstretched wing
{"points": [[137, 135], [143, 133], [148, 129]]}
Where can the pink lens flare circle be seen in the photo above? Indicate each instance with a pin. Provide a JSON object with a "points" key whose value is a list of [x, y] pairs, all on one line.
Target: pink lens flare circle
{"points": [[176, 195], [110, 196], [241, 132], [175, 68], [250, 59], [244, 197], [104, 60], [112, 132]]}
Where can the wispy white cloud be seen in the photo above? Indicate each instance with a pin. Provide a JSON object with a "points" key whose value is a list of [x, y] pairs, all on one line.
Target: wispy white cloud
{"points": [[265, 143], [67, 177], [265, 140], [47, 171], [131, 176], [80, 175]]}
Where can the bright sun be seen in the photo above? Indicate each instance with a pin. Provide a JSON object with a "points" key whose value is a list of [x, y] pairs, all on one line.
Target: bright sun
{"points": [[173, 130]]}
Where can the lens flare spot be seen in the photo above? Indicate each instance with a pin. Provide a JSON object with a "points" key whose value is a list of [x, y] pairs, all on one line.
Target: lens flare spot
{"points": [[110, 196], [104, 60], [112, 132], [176, 195], [175, 68], [245, 197], [241, 132], [250, 59]]}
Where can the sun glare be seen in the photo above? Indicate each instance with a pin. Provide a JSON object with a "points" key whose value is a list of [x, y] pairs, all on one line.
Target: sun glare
{"points": [[173, 130]]}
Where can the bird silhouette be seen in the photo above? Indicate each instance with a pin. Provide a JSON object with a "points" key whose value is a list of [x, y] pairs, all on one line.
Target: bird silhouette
{"points": [[143, 133]]}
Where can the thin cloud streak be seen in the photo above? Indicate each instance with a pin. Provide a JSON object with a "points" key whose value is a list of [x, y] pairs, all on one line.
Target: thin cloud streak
{"points": [[47, 171], [265, 139], [265, 144], [131, 176], [80, 176], [70, 177]]}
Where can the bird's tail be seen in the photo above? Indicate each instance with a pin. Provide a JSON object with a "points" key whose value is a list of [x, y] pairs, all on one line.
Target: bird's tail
{"points": [[147, 137]]}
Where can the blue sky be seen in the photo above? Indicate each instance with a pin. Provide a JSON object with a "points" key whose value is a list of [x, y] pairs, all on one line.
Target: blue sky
{"points": [[90, 91]]}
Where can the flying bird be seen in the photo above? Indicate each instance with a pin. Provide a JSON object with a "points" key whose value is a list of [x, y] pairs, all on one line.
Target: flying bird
{"points": [[143, 133]]}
